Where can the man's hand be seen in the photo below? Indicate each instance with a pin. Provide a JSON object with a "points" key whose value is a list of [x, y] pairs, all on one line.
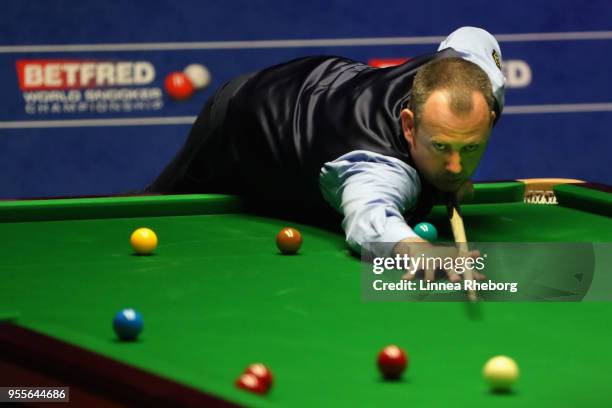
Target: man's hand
{"points": [[418, 247]]}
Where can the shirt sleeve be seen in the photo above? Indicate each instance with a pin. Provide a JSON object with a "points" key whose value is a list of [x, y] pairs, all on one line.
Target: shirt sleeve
{"points": [[372, 191]]}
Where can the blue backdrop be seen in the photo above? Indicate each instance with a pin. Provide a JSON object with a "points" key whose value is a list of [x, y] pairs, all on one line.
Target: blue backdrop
{"points": [[62, 138]]}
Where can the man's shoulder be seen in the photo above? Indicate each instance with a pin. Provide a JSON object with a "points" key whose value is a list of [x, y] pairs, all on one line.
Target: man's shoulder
{"points": [[289, 79], [307, 66], [416, 62]]}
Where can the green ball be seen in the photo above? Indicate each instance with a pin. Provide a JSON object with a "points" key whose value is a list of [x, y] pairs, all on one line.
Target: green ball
{"points": [[426, 231]]}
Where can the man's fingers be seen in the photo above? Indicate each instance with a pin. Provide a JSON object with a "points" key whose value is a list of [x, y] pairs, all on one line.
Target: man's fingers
{"points": [[452, 275], [474, 253]]}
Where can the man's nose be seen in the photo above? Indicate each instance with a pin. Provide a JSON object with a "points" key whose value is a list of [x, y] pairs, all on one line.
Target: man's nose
{"points": [[453, 163]]}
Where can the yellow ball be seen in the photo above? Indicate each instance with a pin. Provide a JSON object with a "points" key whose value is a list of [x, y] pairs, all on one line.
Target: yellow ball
{"points": [[501, 372], [144, 241]]}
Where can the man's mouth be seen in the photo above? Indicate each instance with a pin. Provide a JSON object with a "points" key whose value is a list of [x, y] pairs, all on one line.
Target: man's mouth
{"points": [[454, 180], [451, 184]]}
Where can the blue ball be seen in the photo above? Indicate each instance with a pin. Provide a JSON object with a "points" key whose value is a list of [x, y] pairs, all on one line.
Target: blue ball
{"points": [[127, 324], [426, 231]]}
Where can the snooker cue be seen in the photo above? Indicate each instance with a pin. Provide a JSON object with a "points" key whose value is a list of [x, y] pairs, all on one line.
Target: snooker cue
{"points": [[456, 221]]}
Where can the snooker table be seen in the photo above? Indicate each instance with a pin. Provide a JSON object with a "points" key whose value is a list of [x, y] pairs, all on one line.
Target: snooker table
{"points": [[217, 295]]}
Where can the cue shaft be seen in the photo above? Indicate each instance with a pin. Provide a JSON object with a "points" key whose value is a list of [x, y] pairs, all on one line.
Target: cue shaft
{"points": [[456, 221]]}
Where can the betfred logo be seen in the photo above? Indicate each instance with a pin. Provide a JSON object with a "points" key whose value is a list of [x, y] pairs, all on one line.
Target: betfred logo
{"points": [[37, 75]]}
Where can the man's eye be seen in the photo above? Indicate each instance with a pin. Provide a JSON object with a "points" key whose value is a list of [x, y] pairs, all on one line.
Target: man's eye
{"points": [[439, 146], [471, 148]]}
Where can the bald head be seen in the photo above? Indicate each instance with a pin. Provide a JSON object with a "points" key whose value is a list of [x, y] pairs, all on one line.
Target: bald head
{"points": [[459, 79], [468, 114]]}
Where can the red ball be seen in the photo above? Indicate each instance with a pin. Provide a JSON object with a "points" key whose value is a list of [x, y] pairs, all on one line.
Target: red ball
{"points": [[260, 371], [392, 361], [289, 240], [251, 383], [179, 86]]}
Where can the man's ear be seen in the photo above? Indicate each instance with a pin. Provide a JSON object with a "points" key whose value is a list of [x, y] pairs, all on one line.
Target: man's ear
{"points": [[493, 117], [408, 125]]}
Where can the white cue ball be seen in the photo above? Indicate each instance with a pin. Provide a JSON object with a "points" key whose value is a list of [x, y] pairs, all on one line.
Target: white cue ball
{"points": [[198, 74], [501, 373]]}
